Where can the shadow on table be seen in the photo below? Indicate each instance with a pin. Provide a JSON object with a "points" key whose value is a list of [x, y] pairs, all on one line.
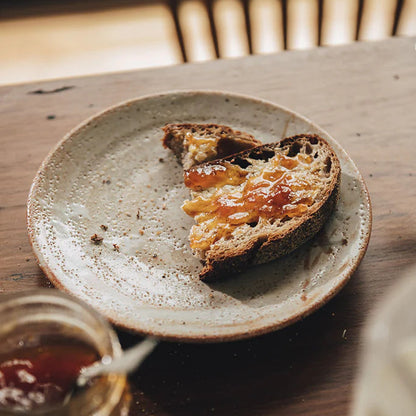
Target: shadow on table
{"points": [[307, 368], [250, 377]]}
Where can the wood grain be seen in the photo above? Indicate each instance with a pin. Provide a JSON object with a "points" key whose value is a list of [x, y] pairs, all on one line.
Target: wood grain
{"points": [[363, 94]]}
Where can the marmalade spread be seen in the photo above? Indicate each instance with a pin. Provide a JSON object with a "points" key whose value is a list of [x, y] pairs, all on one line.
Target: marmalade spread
{"points": [[204, 177], [281, 188], [201, 148]]}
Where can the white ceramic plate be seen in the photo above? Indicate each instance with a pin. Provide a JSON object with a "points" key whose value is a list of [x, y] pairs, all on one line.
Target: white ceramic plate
{"points": [[113, 165]]}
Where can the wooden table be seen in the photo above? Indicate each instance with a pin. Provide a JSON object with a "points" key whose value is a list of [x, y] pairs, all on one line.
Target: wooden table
{"points": [[365, 96]]}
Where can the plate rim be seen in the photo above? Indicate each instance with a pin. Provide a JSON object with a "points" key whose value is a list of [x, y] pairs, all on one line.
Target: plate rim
{"points": [[184, 337]]}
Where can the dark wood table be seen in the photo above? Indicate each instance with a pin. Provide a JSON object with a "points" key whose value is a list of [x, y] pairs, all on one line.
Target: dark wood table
{"points": [[365, 96]]}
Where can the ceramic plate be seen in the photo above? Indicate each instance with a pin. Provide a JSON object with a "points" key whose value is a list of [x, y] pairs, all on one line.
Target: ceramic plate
{"points": [[143, 276]]}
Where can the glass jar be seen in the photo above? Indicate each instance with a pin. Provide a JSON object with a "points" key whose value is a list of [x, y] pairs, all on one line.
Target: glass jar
{"points": [[43, 317]]}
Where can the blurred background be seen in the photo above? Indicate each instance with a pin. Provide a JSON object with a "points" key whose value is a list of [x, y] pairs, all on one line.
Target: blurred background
{"points": [[45, 39]]}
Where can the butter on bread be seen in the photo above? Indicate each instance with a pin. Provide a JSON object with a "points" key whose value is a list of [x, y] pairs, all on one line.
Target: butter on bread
{"points": [[197, 143], [260, 204]]}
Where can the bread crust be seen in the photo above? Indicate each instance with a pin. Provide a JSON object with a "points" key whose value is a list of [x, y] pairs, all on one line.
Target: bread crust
{"points": [[266, 244]]}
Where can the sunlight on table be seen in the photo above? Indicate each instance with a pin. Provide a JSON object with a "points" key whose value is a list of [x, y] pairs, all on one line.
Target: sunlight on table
{"points": [[87, 43]]}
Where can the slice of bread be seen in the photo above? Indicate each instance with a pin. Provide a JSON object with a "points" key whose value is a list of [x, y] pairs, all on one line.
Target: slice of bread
{"points": [[260, 204], [197, 143]]}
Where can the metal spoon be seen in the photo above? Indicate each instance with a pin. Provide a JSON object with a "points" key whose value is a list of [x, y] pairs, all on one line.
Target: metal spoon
{"points": [[126, 363]]}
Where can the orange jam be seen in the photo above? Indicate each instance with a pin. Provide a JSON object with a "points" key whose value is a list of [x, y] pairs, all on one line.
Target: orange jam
{"points": [[191, 139], [274, 193], [204, 177]]}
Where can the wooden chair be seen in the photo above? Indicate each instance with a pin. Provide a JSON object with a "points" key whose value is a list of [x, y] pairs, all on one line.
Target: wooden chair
{"points": [[241, 27], [46, 39]]}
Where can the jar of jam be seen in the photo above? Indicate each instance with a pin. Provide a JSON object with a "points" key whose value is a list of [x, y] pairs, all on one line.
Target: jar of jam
{"points": [[46, 337]]}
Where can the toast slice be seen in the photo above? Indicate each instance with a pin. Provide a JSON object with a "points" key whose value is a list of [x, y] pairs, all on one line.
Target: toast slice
{"points": [[260, 204], [197, 143]]}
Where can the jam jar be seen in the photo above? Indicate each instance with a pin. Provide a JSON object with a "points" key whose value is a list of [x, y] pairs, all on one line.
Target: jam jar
{"points": [[46, 337]]}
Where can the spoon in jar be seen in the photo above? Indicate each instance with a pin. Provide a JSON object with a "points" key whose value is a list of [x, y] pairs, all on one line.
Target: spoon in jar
{"points": [[126, 363]]}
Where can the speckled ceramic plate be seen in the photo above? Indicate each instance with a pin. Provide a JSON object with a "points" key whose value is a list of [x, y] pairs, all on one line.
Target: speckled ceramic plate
{"points": [[143, 276]]}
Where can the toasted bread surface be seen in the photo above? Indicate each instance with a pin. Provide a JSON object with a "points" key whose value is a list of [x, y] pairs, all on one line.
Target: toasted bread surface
{"points": [[260, 204], [198, 143]]}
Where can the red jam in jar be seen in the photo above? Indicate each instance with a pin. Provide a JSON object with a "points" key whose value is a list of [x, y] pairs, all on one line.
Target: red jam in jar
{"points": [[43, 376], [46, 338]]}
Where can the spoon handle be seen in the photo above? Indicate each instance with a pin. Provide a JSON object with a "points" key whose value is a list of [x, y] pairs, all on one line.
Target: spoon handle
{"points": [[128, 362]]}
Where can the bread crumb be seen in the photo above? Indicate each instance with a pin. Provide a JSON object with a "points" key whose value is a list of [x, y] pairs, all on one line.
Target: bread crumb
{"points": [[116, 247], [96, 239], [141, 232], [104, 227], [138, 214]]}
